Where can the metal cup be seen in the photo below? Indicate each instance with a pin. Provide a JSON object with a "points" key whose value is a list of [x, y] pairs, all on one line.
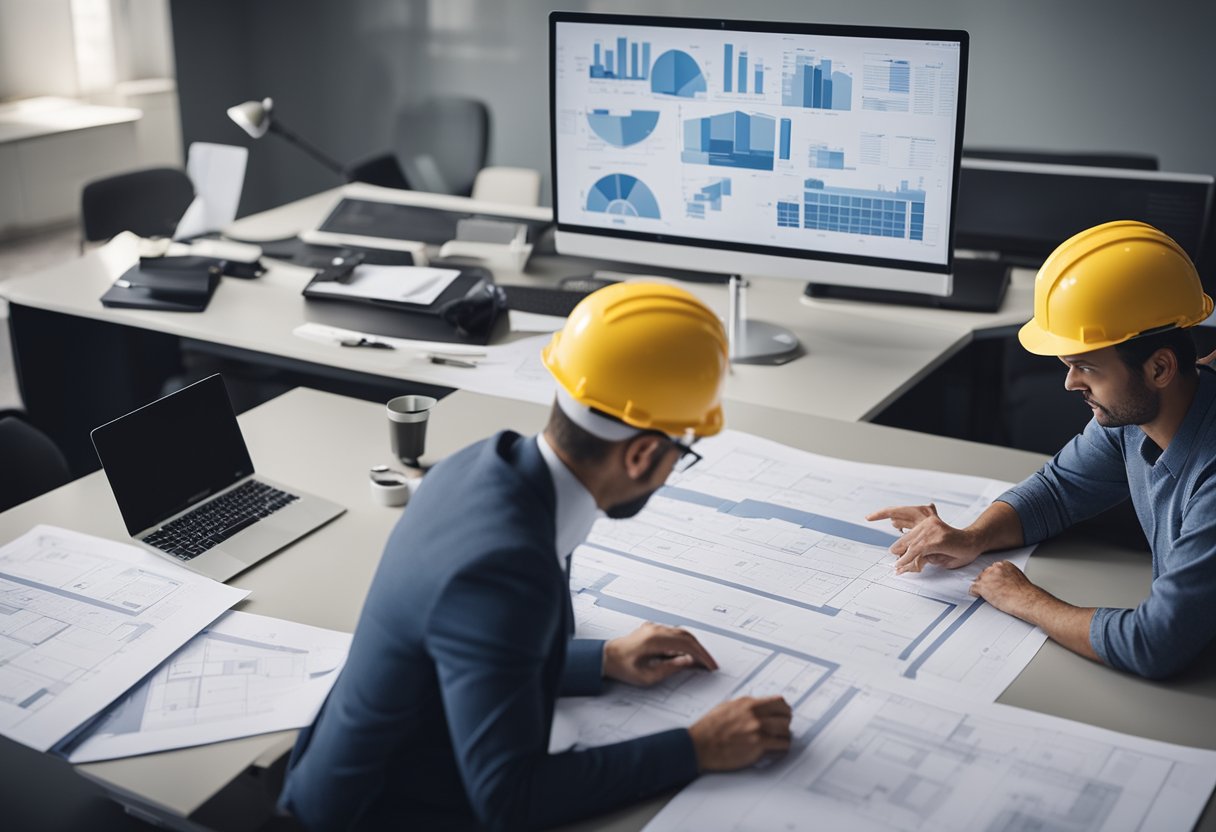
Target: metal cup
{"points": [[407, 417]]}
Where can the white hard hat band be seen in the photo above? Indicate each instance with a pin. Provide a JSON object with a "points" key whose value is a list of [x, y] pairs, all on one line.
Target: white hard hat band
{"points": [[610, 430]]}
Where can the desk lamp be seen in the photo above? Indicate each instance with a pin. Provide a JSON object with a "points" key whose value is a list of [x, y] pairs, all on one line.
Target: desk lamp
{"points": [[256, 118]]}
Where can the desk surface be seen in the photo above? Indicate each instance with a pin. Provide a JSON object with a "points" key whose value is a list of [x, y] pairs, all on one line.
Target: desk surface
{"points": [[859, 357], [322, 579]]}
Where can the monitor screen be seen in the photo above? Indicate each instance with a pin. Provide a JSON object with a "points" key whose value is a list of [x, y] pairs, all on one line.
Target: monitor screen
{"points": [[792, 141], [1024, 210]]}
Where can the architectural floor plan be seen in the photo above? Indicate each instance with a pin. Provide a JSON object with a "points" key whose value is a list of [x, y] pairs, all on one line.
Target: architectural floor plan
{"points": [[894, 760], [244, 675], [82, 620]]}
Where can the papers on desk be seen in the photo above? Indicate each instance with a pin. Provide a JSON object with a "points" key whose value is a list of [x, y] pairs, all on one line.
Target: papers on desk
{"points": [[892, 758], [243, 675], [82, 620], [396, 284], [512, 370]]}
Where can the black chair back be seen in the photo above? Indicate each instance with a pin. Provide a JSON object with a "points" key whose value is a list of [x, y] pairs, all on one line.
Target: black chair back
{"points": [[148, 202], [32, 463]]}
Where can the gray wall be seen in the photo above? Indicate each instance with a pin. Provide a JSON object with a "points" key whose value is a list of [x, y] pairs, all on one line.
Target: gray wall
{"points": [[1044, 74]]}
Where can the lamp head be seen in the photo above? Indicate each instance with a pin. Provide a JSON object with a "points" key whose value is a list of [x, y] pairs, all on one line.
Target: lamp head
{"points": [[253, 116]]}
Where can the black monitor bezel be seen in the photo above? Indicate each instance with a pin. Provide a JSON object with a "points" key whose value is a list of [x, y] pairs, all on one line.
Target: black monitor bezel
{"points": [[770, 27]]}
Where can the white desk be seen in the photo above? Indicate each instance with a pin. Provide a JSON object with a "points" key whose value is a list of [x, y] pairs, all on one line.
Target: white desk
{"points": [[324, 443], [860, 357]]}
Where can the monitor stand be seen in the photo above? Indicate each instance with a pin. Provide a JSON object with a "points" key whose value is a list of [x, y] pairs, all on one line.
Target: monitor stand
{"points": [[756, 342], [979, 286]]}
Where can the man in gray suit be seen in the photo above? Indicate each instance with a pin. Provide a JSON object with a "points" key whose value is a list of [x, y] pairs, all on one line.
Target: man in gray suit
{"points": [[441, 716]]}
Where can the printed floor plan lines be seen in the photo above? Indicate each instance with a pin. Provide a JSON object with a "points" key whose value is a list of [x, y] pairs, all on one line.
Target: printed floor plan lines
{"points": [[243, 675], [889, 759], [81, 620]]}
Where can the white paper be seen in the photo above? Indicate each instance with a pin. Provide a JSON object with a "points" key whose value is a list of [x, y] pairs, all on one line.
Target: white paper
{"points": [[244, 675], [399, 284], [768, 543], [512, 370], [218, 174], [869, 758], [82, 619]]}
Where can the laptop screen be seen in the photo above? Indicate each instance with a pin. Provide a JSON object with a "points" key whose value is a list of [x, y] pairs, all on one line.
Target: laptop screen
{"points": [[172, 453]]}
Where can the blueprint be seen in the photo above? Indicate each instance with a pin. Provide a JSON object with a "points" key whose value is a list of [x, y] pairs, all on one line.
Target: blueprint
{"points": [[890, 759], [768, 545], [243, 675], [82, 620]]}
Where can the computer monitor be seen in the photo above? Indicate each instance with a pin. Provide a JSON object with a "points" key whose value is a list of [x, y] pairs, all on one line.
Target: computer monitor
{"points": [[1024, 210], [813, 152]]}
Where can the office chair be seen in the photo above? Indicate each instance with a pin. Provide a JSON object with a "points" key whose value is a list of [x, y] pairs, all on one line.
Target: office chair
{"points": [[148, 202], [33, 464], [440, 145], [1129, 161]]}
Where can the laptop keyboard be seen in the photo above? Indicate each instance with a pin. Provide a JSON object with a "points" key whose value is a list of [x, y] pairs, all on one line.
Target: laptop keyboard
{"points": [[215, 521]]}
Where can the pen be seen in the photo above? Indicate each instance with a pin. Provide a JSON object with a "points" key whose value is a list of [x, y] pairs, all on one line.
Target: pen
{"points": [[451, 362], [367, 342]]}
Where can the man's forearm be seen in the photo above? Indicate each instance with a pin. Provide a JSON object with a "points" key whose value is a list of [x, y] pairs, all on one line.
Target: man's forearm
{"points": [[1064, 624], [999, 527]]}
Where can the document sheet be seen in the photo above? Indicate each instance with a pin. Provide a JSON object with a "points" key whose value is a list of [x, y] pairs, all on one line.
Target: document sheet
{"points": [[243, 675], [82, 620], [898, 759], [768, 546]]}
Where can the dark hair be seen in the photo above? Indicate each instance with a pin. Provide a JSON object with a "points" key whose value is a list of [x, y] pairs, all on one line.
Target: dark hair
{"points": [[581, 445], [1136, 351]]}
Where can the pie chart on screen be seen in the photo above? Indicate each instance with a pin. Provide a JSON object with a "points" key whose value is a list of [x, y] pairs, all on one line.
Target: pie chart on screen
{"points": [[623, 195]]}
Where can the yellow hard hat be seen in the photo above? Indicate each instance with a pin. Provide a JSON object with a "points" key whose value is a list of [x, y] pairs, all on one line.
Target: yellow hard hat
{"points": [[647, 354], [1109, 284]]}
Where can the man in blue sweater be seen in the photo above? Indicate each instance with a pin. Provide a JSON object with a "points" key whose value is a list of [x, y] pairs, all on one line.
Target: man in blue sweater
{"points": [[441, 716], [1114, 304]]}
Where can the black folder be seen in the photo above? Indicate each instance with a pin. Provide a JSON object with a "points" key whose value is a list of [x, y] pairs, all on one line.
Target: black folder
{"points": [[171, 284]]}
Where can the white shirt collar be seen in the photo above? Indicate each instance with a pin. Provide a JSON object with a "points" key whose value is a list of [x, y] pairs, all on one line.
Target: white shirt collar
{"points": [[576, 508]]}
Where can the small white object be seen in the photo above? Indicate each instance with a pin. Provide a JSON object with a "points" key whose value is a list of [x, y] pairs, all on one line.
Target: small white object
{"points": [[389, 487], [226, 250], [510, 257]]}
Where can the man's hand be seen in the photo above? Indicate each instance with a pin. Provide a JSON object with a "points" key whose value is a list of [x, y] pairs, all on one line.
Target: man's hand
{"points": [[737, 733], [1208, 359], [927, 539], [653, 652], [1007, 588]]}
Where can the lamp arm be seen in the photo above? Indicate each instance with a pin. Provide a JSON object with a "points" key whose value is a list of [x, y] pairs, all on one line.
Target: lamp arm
{"points": [[276, 126]]}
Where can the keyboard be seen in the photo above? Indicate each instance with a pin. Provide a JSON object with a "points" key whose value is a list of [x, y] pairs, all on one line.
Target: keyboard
{"points": [[215, 521], [543, 300]]}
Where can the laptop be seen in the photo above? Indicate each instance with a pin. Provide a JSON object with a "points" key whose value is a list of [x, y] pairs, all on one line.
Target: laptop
{"points": [[185, 484]]}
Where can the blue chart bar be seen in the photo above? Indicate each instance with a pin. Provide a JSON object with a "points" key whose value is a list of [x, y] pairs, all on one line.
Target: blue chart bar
{"points": [[709, 197], [817, 86], [785, 138], [822, 157], [742, 72], [733, 140], [876, 213], [728, 64], [622, 62], [901, 77], [758, 87]]}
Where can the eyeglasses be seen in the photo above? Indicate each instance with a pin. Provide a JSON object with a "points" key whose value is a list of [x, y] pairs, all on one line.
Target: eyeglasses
{"points": [[688, 457]]}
